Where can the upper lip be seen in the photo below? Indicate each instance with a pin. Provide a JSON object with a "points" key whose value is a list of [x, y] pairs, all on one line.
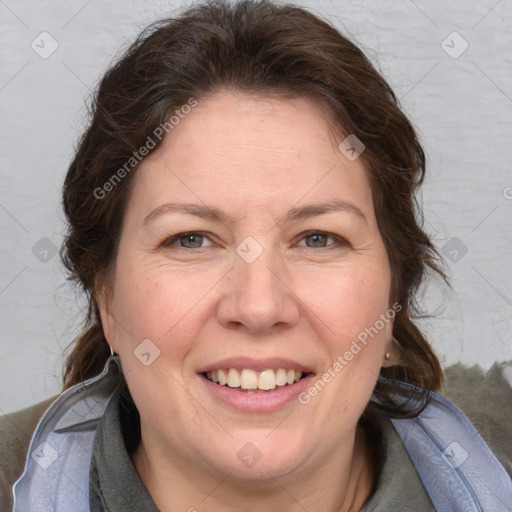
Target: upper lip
{"points": [[257, 365]]}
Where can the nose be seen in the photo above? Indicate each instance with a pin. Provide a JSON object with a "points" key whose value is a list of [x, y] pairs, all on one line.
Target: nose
{"points": [[259, 296]]}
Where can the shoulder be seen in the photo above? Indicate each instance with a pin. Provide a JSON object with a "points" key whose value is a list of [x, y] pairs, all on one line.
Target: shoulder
{"points": [[485, 397], [16, 430]]}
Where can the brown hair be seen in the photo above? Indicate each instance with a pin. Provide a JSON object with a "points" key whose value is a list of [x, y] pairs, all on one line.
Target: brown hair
{"points": [[258, 47]]}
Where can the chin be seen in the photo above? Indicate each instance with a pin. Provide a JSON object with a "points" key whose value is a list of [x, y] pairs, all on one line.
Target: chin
{"points": [[253, 458]]}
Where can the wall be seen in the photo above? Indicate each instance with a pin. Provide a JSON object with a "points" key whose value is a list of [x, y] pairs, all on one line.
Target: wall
{"points": [[461, 104]]}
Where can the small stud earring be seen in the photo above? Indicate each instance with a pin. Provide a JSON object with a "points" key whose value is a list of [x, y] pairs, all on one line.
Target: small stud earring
{"points": [[387, 356], [111, 351]]}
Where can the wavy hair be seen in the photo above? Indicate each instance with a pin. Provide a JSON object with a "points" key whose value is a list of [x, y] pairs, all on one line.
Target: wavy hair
{"points": [[259, 47]]}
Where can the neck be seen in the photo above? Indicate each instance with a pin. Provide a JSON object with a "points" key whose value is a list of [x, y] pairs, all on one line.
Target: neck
{"points": [[340, 484]]}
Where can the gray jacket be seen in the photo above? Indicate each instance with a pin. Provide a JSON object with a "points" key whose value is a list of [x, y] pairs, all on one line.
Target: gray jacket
{"points": [[486, 399]]}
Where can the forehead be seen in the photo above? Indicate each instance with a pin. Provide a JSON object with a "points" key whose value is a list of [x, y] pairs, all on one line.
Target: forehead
{"points": [[238, 149]]}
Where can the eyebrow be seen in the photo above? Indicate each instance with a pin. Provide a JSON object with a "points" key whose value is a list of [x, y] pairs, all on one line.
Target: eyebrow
{"points": [[294, 214]]}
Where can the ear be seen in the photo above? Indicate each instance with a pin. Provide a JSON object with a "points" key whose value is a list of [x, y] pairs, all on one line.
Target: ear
{"points": [[393, 354], [104, 301]]}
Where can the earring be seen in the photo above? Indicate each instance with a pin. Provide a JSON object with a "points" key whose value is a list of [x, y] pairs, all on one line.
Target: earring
{"points": [[111, 351], [388, 361]]}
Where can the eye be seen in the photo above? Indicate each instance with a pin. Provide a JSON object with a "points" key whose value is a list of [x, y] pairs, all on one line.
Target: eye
{"points": [[319, 239], [190, 240], [195, 239]]}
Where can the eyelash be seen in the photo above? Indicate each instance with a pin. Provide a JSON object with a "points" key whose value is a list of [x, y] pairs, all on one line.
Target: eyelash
{"points": [[168, 242]]}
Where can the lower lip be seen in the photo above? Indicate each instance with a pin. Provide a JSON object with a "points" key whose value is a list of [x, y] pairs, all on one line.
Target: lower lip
{"points": [[257, 402]]}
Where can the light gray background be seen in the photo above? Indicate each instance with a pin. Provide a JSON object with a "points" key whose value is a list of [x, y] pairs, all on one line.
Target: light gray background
{"points": [[461, 106]]}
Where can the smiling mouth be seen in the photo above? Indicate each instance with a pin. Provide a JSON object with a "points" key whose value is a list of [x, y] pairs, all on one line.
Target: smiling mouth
{"points": [[251, 381]]}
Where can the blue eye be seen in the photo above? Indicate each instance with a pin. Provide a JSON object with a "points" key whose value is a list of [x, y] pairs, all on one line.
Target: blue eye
{"points": [[318, 239], [195, 239]]}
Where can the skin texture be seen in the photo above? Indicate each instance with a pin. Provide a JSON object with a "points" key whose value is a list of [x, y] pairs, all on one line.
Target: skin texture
{"points": [[254, 157]]}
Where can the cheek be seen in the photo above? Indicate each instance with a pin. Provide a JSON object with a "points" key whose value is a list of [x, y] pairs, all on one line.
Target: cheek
{"points": [[348, 311], [162, 304], [347, 301], [353, 335]]}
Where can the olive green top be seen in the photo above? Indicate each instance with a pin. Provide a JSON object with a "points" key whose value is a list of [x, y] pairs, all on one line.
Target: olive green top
{"points": [[114, 485]]}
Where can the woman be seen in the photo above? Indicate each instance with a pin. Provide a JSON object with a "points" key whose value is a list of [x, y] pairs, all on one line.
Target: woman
{"points": [[242, 220]]}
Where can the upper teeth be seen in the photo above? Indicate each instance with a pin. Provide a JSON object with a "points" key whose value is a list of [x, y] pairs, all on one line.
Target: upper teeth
{"points": [[250, 379]]}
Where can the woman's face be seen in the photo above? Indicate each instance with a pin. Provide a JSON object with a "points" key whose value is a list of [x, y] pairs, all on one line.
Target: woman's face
{"points": [[264, 280]]}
